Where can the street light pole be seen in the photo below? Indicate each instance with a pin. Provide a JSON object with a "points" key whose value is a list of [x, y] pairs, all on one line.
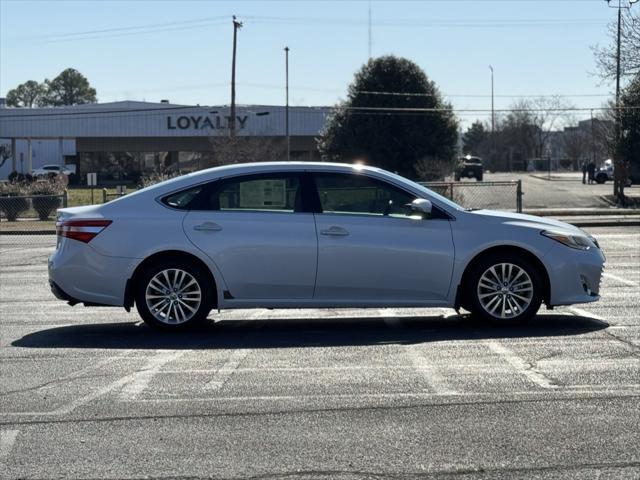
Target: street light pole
{"points": [[493, 120], [286, 110], [619, 175], [232, 114]]}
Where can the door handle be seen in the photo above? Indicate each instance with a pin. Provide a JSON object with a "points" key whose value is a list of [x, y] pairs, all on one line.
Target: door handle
{"points": [[335, 232], [208, 227]]}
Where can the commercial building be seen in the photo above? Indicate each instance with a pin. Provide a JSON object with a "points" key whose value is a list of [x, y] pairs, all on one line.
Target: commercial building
{"points": [[123, 140]]}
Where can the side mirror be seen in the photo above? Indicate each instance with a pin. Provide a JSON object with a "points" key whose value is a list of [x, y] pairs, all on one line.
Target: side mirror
{"points": [[421, 207]]}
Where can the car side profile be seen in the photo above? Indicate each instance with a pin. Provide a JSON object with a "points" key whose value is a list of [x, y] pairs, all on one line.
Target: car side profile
{"points": [[48, 170], [317, 235]]}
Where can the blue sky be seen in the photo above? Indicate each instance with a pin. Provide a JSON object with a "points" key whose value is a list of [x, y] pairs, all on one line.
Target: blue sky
{"points": [[181, 50]]}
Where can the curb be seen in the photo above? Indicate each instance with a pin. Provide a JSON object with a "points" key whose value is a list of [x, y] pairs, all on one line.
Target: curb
{"points": [[597, 223], [27, 232], [576, 212]]}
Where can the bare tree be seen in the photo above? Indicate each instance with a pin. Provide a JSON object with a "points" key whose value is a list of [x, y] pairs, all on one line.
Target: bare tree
{"points": [[605, 56], [576, 144], [5, 154], [245, 149], [548, 115]]}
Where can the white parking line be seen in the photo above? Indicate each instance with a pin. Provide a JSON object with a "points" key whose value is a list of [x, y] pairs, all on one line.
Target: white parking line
{"points": [[7, 439], [624, 281], [584, 313], [141, 379], [437, 382], [520, 365], [231, 365]]}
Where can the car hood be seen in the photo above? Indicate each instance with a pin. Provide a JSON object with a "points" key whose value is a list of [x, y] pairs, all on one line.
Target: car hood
{"points": [[530, 221]]}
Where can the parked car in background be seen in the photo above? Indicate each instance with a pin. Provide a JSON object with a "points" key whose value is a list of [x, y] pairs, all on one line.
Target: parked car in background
{"points": [[469, 167], [316, 235], [605, 172], [48, 170]]}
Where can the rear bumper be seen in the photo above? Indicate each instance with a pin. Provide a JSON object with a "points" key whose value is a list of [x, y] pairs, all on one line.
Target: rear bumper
{"points": [[79, 274]]}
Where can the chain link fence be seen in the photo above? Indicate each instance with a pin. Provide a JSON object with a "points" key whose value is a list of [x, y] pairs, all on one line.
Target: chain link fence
{"points": [[490, 195], [30, 214]]}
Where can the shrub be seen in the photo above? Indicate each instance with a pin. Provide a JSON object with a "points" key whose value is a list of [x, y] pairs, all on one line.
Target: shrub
{"points": [[46, 196], [156, 177], [12, 200]]}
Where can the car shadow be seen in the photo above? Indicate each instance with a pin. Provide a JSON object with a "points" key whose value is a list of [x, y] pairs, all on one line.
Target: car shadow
{"points": [[298, 332]]}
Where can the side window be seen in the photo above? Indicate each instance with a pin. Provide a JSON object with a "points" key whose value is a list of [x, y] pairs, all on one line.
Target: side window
{"points": [[183, 199], [358, 194], [271, 193]]}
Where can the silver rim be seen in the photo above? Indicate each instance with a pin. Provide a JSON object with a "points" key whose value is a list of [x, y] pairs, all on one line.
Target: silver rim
{"points": [[173, 296], [505, 290]]}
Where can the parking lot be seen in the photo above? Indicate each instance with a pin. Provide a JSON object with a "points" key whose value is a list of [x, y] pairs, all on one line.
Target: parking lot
{"points": [[92, 392]]}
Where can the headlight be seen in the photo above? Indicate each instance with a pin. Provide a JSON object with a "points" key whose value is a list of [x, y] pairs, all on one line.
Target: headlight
{"points": [[579, 242]]}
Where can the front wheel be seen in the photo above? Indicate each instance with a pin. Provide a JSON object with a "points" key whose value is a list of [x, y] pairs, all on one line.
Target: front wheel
{"points": [[504, 289], [173, 295]]}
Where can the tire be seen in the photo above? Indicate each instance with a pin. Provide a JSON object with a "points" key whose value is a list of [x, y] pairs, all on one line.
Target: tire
{"points": [[479, 177], [504, 306], [457, 178], [600, 179], [188, 308]]}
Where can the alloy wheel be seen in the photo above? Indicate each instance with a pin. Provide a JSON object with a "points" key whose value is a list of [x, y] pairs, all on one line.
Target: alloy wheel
{"points": [[505, 290], [173, 296]]}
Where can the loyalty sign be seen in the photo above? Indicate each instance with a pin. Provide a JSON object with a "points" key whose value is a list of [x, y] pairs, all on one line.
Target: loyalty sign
{"points": [[202, 122]]}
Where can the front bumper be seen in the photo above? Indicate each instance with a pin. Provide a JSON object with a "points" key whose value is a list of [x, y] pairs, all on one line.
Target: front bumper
{"points": [[574, 275]]}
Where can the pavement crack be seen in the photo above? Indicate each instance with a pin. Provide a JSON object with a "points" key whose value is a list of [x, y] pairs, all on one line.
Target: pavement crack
{"points": [[635, 350], [57, 381]]}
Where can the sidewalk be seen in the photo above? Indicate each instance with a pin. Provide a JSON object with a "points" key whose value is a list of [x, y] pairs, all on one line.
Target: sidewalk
{"points": [[601, 221]]}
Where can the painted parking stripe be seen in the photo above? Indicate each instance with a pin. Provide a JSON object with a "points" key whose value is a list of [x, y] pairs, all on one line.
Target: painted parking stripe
{"points": [[140, 380], [7, 439], [624, 281], [430, 373], [224, 373], [520, 365]]}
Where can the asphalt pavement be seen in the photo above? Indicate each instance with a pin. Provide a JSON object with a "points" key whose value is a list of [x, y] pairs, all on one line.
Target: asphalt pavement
{"points": [[389, 393]]}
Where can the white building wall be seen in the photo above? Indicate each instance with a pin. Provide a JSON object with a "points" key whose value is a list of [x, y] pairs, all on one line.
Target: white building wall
{"points": [[43, 152]]}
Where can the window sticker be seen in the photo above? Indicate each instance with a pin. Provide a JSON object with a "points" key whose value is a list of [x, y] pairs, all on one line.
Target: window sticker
{"points": [[263, 194]]}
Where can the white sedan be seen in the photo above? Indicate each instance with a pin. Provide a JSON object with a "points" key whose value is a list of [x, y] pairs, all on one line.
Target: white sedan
{"points": [[317, 235], [47, 170]]}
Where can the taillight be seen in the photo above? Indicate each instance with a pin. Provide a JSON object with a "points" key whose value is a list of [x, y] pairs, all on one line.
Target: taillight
{"points": [[81, 230]]}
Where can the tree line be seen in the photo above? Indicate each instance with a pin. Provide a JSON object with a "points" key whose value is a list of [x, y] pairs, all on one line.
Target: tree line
{"points": [[70, 87]]}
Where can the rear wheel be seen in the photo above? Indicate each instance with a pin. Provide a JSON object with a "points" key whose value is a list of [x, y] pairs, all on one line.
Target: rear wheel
{"points": [[504, 288], [173, 295], [601, 178]]}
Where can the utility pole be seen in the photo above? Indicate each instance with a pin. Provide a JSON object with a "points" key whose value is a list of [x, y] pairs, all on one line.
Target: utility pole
{"points": [[232, 115], [593, 141], [493, 116], [620, 171], [286, 110], [493, 122], [369, 29]]}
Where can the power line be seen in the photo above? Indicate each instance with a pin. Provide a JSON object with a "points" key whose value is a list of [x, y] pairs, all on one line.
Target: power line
{"points": [[219, 20]]}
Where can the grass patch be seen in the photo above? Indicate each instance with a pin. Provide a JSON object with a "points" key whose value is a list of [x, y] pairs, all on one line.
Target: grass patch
{"points": [[82, 196]]}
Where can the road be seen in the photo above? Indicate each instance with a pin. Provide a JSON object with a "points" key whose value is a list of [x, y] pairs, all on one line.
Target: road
{"points": [[565, 190], [92, 393]]}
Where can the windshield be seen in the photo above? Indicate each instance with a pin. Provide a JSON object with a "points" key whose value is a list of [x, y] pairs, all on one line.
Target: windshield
{"points": [[428, 192]]}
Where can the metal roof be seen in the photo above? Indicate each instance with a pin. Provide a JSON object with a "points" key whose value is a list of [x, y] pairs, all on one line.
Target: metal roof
{"points": [[147, 119]]}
